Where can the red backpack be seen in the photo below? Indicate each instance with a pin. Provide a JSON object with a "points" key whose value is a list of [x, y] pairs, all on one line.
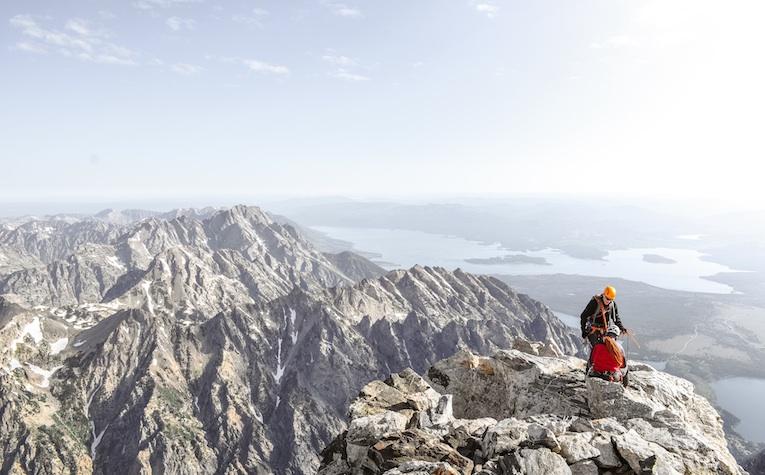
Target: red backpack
{"points": [[603, 361]]}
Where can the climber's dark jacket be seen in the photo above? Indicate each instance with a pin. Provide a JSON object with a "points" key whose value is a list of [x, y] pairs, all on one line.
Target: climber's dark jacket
{"points": [[592, 313]]}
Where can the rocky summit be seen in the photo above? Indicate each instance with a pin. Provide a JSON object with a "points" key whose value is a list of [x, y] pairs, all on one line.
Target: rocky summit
{"points": [[528, 410], [215, 341]]}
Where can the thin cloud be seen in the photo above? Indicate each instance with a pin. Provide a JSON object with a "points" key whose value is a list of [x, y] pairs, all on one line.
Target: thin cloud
{"points": [[85, 28], [344, 67], [267, 68], [487, 9], [343, 10], [348, 76], [255, 18], [177, 23], [30, 47], [185, 69], [260, 67], [338, 60], [79, 40], [484, 7]]}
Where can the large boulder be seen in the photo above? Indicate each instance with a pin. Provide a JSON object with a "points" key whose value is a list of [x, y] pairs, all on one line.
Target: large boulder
{"points": [[527, 461], [577, 447]]}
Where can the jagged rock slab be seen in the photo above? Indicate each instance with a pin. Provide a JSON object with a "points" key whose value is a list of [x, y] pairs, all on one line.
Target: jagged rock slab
{"points": [[355, 267]]}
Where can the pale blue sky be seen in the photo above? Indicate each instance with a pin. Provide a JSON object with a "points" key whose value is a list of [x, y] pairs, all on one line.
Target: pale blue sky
{"points": [[200, 97]]}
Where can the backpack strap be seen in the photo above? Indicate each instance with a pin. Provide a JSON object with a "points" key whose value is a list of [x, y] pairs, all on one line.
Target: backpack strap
{"points": [[602, 310]]}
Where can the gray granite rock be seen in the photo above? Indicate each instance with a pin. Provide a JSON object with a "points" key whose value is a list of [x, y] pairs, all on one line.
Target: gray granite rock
{"points": [[505, 436], [584, 467], [658, 425], [369, 429], [529, 461], [608, 457], [646, 457], [576, 447]]}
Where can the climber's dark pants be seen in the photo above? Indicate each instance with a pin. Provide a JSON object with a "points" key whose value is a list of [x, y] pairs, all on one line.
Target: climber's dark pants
{"points": [[594, 338]]}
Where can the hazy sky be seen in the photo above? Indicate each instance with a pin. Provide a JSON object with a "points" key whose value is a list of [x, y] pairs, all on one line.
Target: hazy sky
{"points": [[165, 97]]}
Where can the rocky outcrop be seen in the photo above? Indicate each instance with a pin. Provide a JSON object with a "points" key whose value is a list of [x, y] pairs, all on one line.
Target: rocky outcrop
{"points": [[355, 267], [82, 277], [8, 310], [528, 411], [37, 243]]}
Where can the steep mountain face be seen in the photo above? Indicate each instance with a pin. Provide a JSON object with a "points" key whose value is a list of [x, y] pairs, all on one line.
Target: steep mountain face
{"points": [[37, 243], [80, 277], [222, 345], [354, 266], [425, 313], [520, 412], [320, 240], [8, 310]]}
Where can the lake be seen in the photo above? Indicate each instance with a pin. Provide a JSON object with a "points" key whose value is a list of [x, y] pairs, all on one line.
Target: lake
{"points": [[568, 320], [402, 248], [749, 408]]}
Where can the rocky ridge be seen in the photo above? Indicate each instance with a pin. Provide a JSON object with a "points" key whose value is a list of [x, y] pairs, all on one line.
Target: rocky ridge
{"points": [[528, 410], [94, 261]]}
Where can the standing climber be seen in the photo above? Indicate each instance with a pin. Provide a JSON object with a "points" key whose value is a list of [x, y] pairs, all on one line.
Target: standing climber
{"points": [[601, 317]]}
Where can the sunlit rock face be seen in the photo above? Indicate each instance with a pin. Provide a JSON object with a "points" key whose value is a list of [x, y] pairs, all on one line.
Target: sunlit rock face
{"points": [[528, 411]]}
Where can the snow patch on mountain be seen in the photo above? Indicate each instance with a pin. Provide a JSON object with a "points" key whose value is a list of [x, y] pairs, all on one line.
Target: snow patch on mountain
{"points": [[59, 345]]}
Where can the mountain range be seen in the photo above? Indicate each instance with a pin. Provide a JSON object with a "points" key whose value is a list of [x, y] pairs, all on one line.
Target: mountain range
{"points": [[215, 340]]}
